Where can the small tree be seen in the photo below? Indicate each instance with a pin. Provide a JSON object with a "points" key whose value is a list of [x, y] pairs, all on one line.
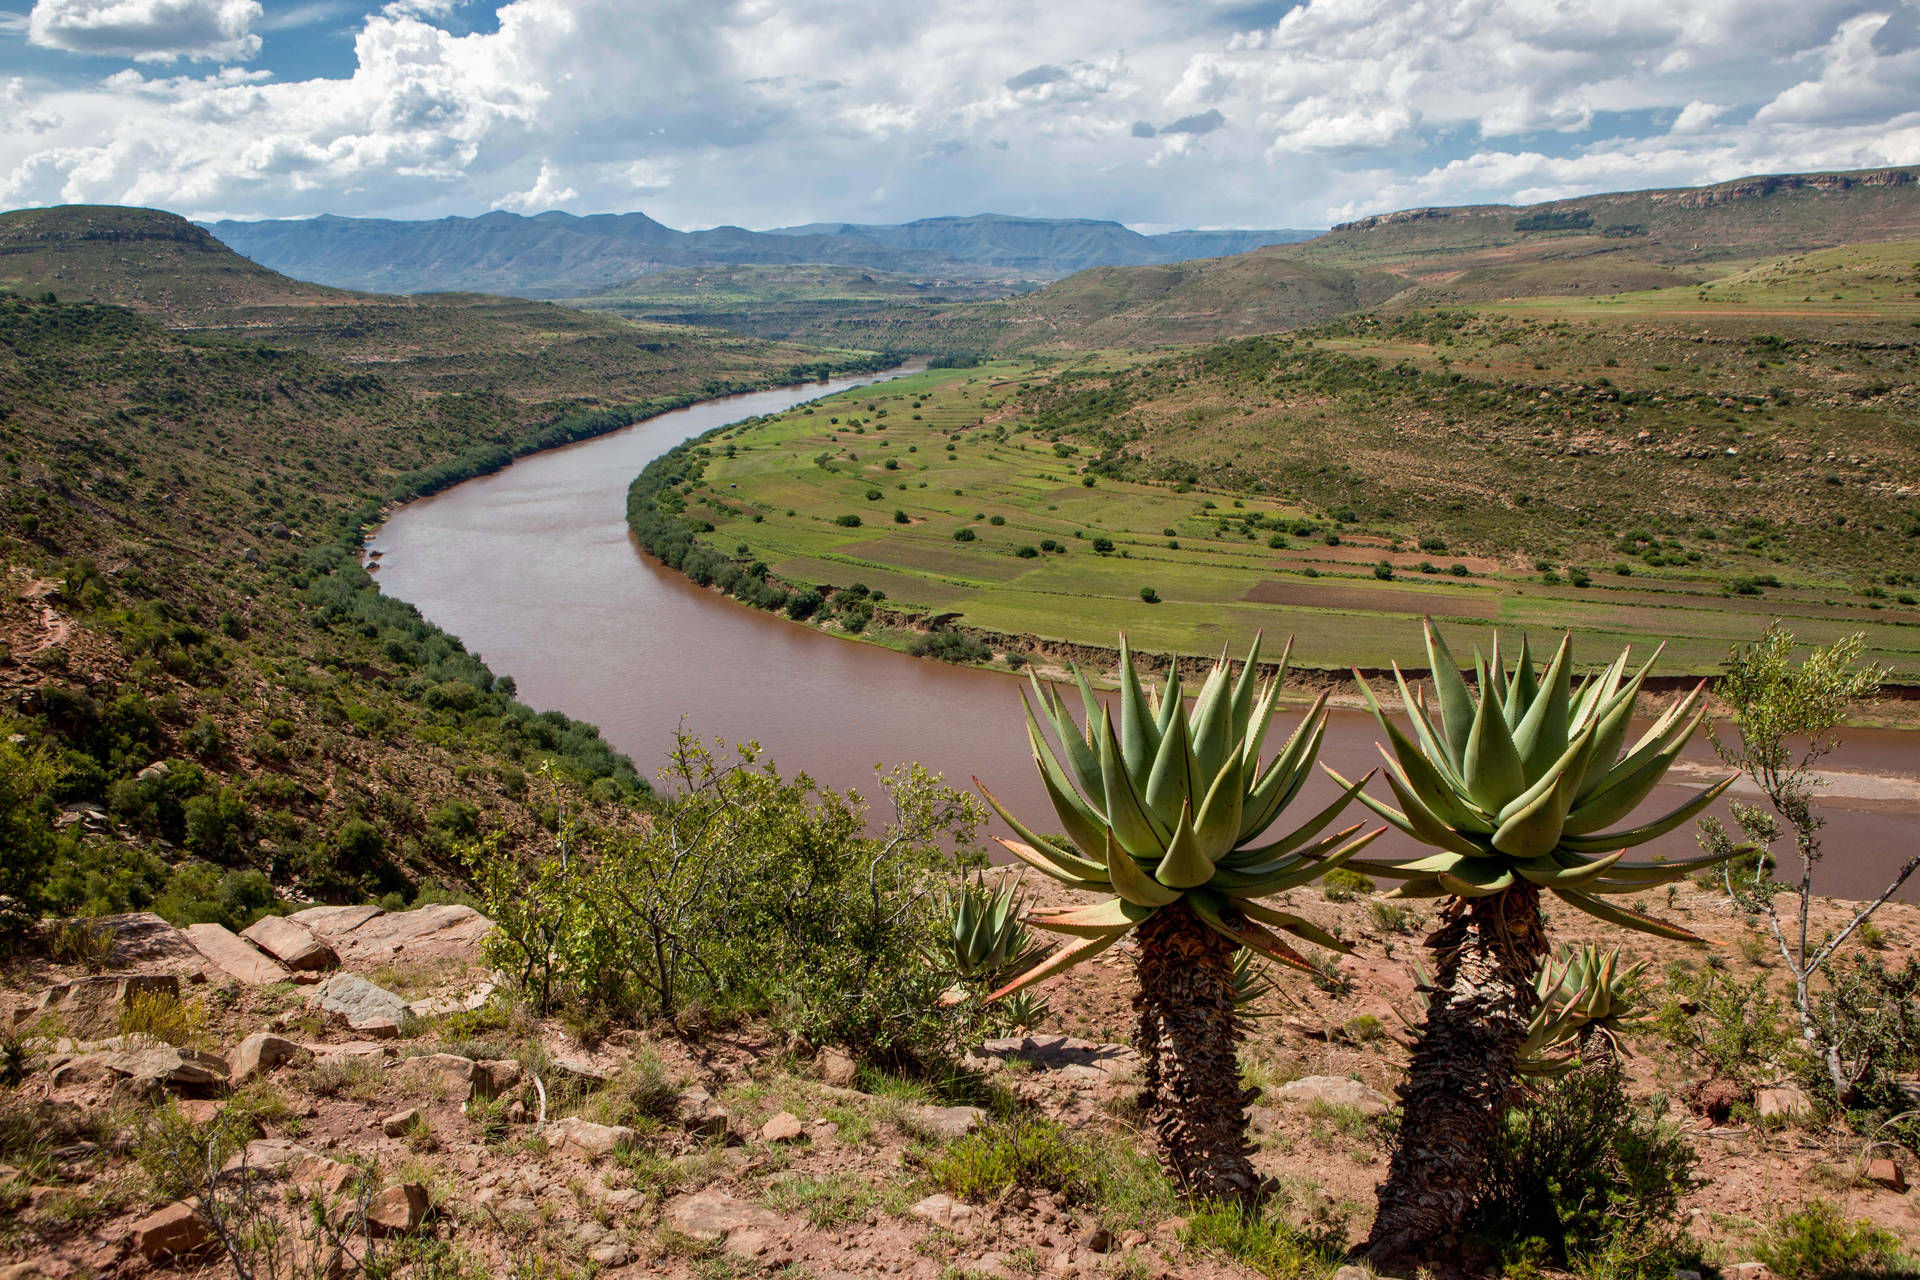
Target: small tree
{"points": [[1784, 716]]}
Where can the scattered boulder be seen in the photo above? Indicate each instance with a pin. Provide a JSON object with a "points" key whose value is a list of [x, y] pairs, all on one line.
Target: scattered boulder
{"points": [[329, 1178], [90, 1008], [495, 1076], [444, 931], [1887, 1173], [350, 1049], [176, 1231], [783, 1127], [292, 944], [364, 1006], [434, 1006], [260, 1053], [397, 1210], [1098, 1240], [227, 952], [1336, 1091], [943, 1211], [143, 938], [167, 1066], [451, 1070], [838, 1068], [397, 1124], [268, 1155], [330, 922], [1787, 1102], [1716, 1098], [1746, 1271], [580, 1070], [699, 1114], [711, 1216], [945, 1122], [587, 1140]]}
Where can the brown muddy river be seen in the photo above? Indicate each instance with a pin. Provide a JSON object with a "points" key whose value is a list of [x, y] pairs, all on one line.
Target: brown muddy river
{"points": [[533, 568]]}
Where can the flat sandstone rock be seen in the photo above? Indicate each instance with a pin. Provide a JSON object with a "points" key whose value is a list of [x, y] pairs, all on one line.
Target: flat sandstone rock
{"points": [[226, 951]]}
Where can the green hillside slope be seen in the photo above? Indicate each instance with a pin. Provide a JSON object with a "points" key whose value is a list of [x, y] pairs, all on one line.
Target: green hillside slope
{"points": [[179, 578]]}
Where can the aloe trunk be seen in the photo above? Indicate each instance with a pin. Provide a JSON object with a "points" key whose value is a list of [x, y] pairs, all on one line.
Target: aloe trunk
{"points": [[1463, 1074], [1189, 1034]]}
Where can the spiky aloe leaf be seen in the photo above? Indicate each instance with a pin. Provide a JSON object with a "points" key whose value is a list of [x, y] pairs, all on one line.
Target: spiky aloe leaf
{"points": [[1138, 831], [1309, 863], [1132, 882], [1065, 958], [1456, 703], [1091, 921], [1627, 919], [1215, 915], [1253, 855], [1155, 797], [1685, 813], [1075, 874]]}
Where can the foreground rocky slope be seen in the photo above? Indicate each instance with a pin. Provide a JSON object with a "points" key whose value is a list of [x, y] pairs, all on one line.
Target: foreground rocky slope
{"points": [[366, 1063]]}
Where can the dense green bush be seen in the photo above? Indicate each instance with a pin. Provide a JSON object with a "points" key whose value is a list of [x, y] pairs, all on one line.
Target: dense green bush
{"points": [[1578, 1169], [949, 646], [747, 893], [1731, 1030], [26, 832]]}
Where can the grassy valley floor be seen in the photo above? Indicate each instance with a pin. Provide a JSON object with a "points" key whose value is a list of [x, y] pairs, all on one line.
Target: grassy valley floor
{"points": [[1630, 478]]}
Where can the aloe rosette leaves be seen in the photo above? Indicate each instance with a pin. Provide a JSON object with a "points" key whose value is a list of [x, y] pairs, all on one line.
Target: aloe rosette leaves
{"points": [[983, 935], [1589, 997], [1163, 806], [1517, 785], [1167, 810]]}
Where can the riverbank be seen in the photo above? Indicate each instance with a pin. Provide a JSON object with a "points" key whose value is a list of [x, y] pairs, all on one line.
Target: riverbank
{"points": [[535, 567], [683, 511]]}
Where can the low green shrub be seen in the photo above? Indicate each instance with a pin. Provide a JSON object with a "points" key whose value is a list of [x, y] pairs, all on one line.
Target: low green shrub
{"points": [[1578, 1168], [748, 894], [1817, 1242], [1264, 1242], [1342, 885]]}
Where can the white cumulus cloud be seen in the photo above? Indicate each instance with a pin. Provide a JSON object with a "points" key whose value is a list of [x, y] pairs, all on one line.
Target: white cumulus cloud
{"points": [[767, 112], [148, 30]]}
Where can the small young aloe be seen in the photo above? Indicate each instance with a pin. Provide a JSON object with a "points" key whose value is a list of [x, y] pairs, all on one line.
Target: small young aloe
{"points": [[1166, 809], [983, 935]]}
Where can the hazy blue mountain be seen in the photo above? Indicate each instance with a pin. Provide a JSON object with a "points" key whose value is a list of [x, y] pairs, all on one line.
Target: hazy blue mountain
{"points": [[559, 254], [1051, 246]]}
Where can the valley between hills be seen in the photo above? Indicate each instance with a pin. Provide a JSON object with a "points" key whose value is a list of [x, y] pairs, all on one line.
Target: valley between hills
{"points": [[296, 883]]}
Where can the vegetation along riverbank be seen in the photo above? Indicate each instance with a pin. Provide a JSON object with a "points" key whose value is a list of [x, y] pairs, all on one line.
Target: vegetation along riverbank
{"points": [[321, 954]]}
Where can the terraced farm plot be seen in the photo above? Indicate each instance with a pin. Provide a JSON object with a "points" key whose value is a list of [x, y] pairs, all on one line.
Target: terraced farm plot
{"points": [[943, 493]]}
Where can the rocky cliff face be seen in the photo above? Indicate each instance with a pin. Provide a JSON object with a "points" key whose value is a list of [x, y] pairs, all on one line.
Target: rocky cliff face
{"points": [[1761, 188]]}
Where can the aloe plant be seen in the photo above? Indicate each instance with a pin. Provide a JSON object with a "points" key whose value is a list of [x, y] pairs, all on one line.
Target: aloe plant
{"points": [[984, 936], [1167, 810], [1570, 1011], [1515, 785], [1588, 999]]}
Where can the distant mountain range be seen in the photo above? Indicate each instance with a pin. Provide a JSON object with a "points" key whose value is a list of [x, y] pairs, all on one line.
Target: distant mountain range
{"points": [[554, 255]]}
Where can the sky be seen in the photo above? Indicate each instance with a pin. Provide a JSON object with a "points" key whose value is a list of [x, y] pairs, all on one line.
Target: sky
{"points": [[1157, 113]]}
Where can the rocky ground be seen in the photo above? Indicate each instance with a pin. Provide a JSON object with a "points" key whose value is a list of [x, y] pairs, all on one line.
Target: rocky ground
{"points": [[358, 1069]]}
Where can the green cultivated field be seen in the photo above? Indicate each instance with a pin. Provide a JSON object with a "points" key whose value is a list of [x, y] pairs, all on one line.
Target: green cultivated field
{"points": [[955, 450]]}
